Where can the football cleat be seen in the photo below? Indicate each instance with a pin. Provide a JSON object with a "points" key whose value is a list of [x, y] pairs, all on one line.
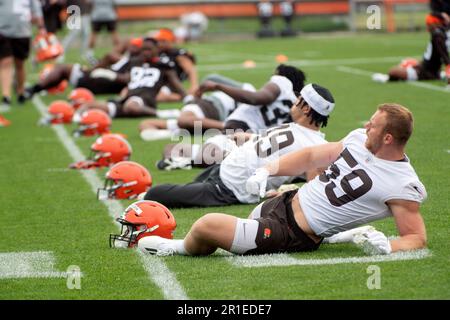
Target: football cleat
{"points": [[125, 180], [157, 246], [174, 163], [92, 122], [143, 219], [4, 122], [380, 77], [79, 96]]}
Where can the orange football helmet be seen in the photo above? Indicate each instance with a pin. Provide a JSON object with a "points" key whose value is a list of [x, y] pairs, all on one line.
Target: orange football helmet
{"points": [[47, 47], [79, 96], [60, 112], [92, 122], [125, 180], [105, 151], [60, 87], [409, 62], [141, 219]]}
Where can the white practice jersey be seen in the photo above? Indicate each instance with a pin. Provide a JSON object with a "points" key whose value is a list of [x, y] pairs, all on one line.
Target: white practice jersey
{"points": [[274, 114], [242, 162], [354, 190]]}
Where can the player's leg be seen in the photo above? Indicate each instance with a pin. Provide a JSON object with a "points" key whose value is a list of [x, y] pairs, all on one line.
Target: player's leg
{"points": [[212, 231], [153, 124], [398, 74], [189, 120], [59, 73], [135, 107], [19, 66], [101, 105], [6, 77]]}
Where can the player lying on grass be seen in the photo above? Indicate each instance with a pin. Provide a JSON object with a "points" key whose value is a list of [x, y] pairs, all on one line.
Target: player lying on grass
{"points": [[369, 177], [224, 184], [148, 73], [110, 75], [436, 55], [247, 109]]}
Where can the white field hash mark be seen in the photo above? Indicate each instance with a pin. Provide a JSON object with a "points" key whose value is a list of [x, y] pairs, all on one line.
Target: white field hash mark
{"points": [[156, 269], [284, 260], [38, 264]]}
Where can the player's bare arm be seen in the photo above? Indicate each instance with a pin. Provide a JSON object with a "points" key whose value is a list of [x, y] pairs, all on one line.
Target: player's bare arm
{"points": [[410, 225], [296, 163], [265, 95], [175, 83], [189, 68]]}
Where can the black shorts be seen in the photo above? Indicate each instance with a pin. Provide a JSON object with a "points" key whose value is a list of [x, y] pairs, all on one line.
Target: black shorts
{"points": [[97, 26], [278, 231], [425, 74], [18, 48], [208, 109], [100, 85], [236, 125]]}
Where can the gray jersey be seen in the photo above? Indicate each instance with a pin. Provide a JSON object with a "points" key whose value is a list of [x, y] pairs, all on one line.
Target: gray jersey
{"points": [[355, 188], [15, 17], [242, 161], [103, 10]]}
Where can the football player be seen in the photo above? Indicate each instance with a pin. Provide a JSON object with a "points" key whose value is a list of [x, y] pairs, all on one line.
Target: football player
{"points": [[435, 56], [110, 75], [184, 64], [210, 111], [369, 177], [148, 73], [224, 184]]}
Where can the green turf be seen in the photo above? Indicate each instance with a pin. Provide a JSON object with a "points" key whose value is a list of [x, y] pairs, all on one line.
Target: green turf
{"points": [[43, 207]]}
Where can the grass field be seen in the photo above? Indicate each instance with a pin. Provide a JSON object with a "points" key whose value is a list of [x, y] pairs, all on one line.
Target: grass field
{"points": [[46, 207]]}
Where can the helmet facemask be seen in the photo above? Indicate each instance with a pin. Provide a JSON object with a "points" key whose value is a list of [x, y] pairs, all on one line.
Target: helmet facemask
{"points": [[129, 235], [85, 129], [112, 187]]}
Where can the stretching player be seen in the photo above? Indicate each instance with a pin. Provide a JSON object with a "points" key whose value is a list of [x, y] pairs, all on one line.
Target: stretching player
{"points": [[369, 178], [224, 184], [148, 73]]}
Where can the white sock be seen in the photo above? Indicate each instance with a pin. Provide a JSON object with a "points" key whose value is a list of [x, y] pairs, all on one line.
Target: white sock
{"points": [[172, 124], [179, 246]]}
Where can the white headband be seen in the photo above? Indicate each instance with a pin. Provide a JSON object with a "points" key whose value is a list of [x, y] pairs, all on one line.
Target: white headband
{"points": [[316, 101]]}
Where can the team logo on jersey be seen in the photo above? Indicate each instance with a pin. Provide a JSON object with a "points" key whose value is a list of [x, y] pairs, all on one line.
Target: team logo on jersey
{"points": [[267, 233]]}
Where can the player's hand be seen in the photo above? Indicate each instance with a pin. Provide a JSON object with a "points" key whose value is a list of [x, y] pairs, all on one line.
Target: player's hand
{"points": [[256, 184], [373, 243], [205, 87], [104, 73]]}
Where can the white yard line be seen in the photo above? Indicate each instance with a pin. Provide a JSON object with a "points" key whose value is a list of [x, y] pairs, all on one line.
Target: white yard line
{"points": [[284, 260], [38, 264], [361, 72], [155, 267]]}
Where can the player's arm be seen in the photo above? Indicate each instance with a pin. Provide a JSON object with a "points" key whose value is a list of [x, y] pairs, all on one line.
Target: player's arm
{"points": [[37, 16], [410, 225], [294, 164], [266, 95], [305, 160], [189, 68], [175, 83]]}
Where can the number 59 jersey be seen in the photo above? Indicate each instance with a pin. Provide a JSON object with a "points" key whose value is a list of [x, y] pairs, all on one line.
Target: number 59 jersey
{"points": [[355, 188], [242, 162]]}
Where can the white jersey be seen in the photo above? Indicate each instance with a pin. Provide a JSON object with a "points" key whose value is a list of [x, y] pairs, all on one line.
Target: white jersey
{"points": [[355, 188], [262, 117], [242, 162]]}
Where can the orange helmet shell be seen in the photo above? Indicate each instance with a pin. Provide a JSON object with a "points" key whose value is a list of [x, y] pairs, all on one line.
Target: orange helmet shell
{"points": [[60, 112], [144, 218], [94, 122], [409, 62], [79, 96], [128, 179], [110, 149], [47, 47]]}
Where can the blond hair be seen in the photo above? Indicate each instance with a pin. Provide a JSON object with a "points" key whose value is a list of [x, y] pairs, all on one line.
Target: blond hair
{"points": [[399, 121]]}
